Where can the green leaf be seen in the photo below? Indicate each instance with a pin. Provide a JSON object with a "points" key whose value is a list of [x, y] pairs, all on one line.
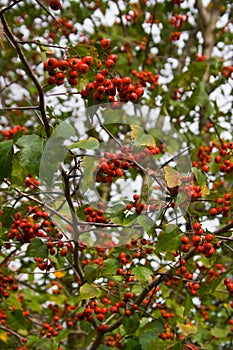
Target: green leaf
{"points": [[142, 274], [54, 152], [41, 344], [31, 152], [91, 271], [90, 143], [146, 222], [168, 242], [171, 227], [140, 137], [149, 341], [131, 343], [131, 323], [6, 158], [156, 326], [188, 304], [88, 164], [219, 332], [83, 50], [88, 291], [37, 249], [19, 172], [109, 267], [200, 177]]}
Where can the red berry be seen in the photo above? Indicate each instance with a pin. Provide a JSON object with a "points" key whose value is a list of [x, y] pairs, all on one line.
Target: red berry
{"points": [[52, 63], [100, 317], [62, 65], [213, 211], [136, 197], [88, 60], [55, 5], [205, 168], [105, 43], [109, 63]]}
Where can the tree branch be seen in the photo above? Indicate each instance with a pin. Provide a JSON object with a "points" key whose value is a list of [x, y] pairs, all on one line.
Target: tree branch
{"points": [[33, 77]]}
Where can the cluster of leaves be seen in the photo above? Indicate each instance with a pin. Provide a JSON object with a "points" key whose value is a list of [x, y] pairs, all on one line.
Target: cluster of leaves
{"points": [[83, 265]]}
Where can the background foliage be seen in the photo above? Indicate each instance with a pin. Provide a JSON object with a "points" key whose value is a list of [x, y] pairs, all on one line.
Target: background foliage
{"points": [[170, 286]]}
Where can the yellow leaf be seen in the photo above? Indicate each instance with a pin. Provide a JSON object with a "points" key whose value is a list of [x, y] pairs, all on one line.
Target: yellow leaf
{"points": [[59, 274], [187, 329], [172, 177], [4, 337], [205, 191]]}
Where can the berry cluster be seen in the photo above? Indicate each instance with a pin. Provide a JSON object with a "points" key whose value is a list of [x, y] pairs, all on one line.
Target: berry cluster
{"points": [[61, 24], [175, 36], [103, 87], [225, 151], [229, 285], [178, 20], [95, 215], [146, 77], [31, 182], [227, 71], [113, 166], [200, 58], [9, 134], [187, 277], [201, 244], [60, 69], [222, 205], [24, 229], [7, 284], [51, 329], [36, 224], [136, 205]]}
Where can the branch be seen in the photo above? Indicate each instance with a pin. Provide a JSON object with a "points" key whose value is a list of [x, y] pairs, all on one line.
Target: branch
{"points": [[224, 229], [17, 335], [33, 77], [155, 283]]}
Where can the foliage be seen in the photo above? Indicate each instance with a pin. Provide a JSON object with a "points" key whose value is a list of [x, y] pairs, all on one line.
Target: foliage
{"points": [[116, 163]]}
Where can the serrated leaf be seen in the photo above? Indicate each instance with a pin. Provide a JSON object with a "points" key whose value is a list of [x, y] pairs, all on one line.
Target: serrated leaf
{"points": [[146, 222], [200, 177], [88, 164], [41, 344], [81, 50], [6, 158], [187, 329], [88, 291], [219, 332], [37, 249], [132, 343], [54, 152], [19, 173], [131, 323], [140, 137], [188, 304], [109, 267], [90, 143], [91, 272], [156, 326], [142, 274], [171, 227], [31, 152], [168, 242]]}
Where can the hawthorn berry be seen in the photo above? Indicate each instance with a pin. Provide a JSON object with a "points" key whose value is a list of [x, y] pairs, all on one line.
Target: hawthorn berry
{"points": [[105, 43], [55, 5]]}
